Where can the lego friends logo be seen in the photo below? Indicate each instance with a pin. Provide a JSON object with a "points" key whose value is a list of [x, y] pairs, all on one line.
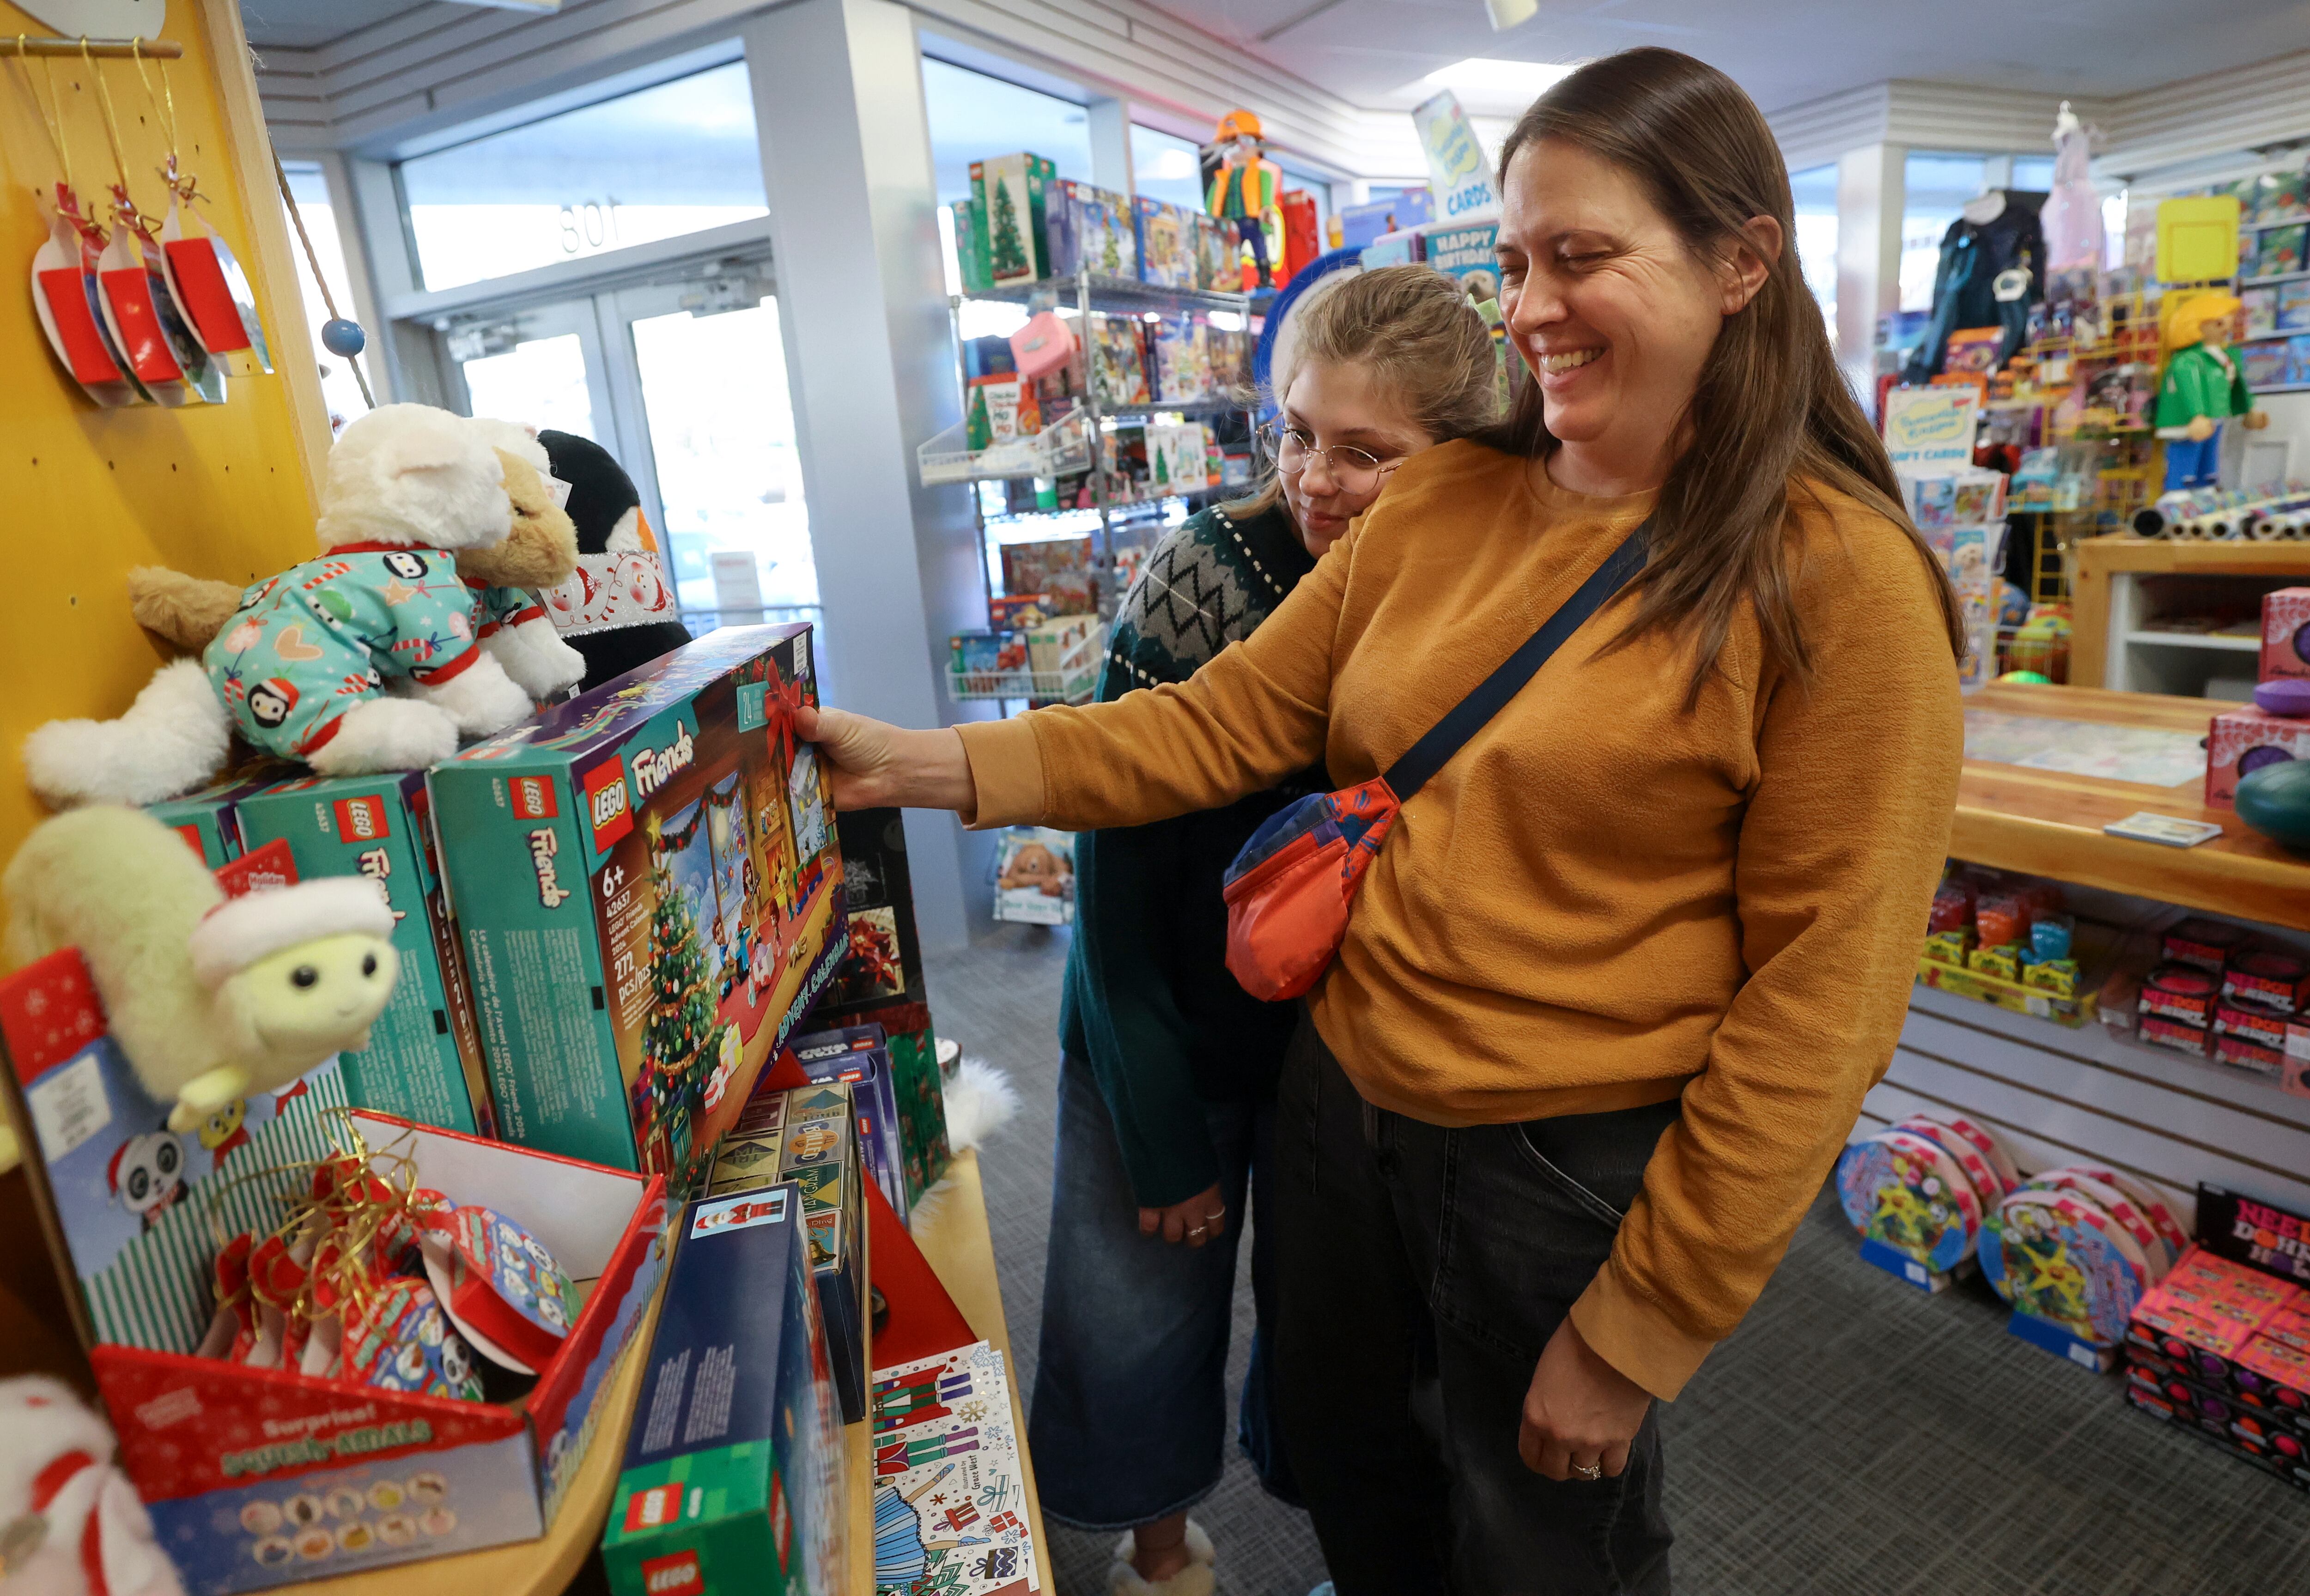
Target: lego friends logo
{"points": [[360, 820], [653, 770], [532, 797], [543, 845], [677, 1576], [607, 808]]}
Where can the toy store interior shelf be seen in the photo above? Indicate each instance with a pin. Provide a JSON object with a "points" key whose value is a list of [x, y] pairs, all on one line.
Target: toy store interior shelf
{"points": [[2193, 557], [1115, 289], [2049, 822], [540, 1567]]}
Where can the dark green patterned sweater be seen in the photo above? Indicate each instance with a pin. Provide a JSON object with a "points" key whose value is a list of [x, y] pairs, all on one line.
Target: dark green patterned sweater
{"points": [[1149, 1002]]}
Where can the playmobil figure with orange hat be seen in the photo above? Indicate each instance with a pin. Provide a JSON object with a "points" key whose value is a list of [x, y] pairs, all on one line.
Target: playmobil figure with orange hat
{"points": [[2203, 387], [1248, 189]]}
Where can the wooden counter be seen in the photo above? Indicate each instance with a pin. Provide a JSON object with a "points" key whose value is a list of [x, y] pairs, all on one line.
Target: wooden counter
{"points": [[2050, 823], [2108, 568]]}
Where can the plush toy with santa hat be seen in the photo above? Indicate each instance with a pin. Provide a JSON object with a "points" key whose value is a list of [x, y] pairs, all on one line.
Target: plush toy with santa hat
{"points": [[70, 1523]]}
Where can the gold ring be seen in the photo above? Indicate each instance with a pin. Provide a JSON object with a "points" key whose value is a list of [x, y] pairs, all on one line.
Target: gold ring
{"points": [[1589, 1470]]}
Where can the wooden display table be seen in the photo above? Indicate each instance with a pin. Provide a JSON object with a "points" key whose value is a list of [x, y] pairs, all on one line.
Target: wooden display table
{"points": [[2049, 823], [954, 1236]]}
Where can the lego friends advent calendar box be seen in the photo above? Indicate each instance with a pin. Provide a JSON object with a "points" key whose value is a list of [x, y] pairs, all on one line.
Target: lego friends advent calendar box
{"points": [[650, 891]]}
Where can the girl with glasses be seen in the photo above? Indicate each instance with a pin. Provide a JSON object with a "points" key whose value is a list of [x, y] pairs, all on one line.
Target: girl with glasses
{"points": [[1168, 1084], [1612, 992]]}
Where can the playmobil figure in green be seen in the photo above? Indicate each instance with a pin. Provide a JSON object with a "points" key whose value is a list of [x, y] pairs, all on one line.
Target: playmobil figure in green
{"points": [[2203, 387]]}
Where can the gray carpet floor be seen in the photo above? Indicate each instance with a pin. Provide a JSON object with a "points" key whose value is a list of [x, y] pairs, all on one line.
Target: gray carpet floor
{"points": [[1855, 1437]]}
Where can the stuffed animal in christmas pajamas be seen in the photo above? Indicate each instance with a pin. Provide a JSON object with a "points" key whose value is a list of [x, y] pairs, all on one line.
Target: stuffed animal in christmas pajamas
{"points": [[301, 665]]}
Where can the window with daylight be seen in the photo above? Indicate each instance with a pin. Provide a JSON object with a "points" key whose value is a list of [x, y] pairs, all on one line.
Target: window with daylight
{"points": [[673, 159], [1816, 195], [1167, 168]]}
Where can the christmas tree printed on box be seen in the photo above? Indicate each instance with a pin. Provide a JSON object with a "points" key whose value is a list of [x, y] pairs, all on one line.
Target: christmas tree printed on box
{"points": [[1007, 195], [950, 1513], [680, 1029]]}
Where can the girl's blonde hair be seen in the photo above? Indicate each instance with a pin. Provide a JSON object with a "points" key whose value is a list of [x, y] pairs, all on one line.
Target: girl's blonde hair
{"points": [[1424, 342]]}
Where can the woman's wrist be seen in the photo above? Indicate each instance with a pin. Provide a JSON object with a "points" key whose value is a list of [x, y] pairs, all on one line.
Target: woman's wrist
{"points": [[937, 772]]}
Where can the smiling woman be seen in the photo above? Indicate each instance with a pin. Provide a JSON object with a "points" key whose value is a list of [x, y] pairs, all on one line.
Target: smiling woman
{"points": [[1610, 997]]}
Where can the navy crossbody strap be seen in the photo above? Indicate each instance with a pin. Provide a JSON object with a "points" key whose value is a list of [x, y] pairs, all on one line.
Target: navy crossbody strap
{"points": [[1426, 757]]}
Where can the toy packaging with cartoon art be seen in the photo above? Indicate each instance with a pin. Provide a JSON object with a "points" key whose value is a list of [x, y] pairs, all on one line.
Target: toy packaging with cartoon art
{"points": [[808, 1135], [424, 1057], [732, 1482], [881, 982], [857, 1056], [650, 892], [255, 1472], [950, 1489]]}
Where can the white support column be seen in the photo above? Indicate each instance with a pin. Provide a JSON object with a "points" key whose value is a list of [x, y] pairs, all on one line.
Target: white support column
{"points": [[870, 350], [1110, 145], [1869, 200]]}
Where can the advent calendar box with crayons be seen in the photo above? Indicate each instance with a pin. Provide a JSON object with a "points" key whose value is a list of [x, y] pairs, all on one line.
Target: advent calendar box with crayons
{"points": [[732, 1482], [949, 1494], [650, 890]]}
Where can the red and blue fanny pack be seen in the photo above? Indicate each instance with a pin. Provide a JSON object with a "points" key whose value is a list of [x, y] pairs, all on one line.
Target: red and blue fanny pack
{"points": [[1288, 891]]}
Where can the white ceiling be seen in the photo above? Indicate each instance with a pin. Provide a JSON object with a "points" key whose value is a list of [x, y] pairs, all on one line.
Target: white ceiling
{"points": [[1784, 52], [308, 24]]}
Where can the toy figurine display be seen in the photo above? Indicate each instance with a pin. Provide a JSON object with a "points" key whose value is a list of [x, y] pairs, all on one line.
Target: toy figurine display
{"points": [[2203, 386], [1247, 190]]}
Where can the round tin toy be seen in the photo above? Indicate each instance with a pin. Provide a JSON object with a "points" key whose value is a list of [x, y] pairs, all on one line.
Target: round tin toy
{"points": [[397, 1339], [2155, 1258], [1990, 1147], [1986, 1190], [2063, 1261], [501, 1288], [1902, 1190]]}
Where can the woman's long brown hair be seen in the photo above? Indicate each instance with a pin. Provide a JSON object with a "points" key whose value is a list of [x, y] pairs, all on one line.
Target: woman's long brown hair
{"points": [[1772, 413]]}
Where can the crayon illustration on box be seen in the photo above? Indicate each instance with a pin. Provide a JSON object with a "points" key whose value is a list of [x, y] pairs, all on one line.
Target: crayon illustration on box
{"points": [[950, 1496]]}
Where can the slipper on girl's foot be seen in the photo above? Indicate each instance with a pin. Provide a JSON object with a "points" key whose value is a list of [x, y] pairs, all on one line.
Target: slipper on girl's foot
{"points": [[1193, 1580]]}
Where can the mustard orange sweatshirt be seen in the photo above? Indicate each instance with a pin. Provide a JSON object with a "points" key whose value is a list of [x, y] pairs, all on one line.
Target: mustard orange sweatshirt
{"points": [[1604, 899]]}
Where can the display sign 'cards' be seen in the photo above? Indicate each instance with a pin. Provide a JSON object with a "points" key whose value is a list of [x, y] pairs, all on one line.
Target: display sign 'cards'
{"points": [[1457, 161], [1930, 429], [650, 896]]}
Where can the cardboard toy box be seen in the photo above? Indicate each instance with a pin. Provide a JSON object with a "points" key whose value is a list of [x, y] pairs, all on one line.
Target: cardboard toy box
{"points": [[650, 891], [1009, 197], [258, 1477], [209, 820], [2241, 740], [808, 1135], [949, 1487], [2286, 633], [857, 1056], [423, 1061], [881, 982], [734, 1482]]}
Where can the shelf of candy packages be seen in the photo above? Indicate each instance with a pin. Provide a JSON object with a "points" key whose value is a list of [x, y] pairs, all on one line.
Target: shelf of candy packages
{"points": [[2215, 991], [2073, 1250], [2005, 940]]}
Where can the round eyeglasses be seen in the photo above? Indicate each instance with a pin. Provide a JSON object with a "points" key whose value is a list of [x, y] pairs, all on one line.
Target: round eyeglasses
{"points": [[1355, 469]]}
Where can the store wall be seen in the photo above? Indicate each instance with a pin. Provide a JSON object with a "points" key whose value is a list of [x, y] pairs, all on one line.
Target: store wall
{"points": [[221, 491]]}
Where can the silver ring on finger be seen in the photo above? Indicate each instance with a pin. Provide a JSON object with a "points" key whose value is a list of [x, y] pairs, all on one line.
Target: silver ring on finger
{"points": [[1589, 1471], [1201, 1230]]}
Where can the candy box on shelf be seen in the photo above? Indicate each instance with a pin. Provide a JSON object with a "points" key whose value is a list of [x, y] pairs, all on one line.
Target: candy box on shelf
{"points": [[423, 1061], [2286, 633], [2245, 1054], [2177, 1035], [2244, 739], [881, 982], [650, 891], [2267, 978], [733, 1479], [807, 1136], [255, 1478], [2206, 943]]}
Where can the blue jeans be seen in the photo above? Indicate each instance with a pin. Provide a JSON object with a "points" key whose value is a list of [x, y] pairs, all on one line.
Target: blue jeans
{"points": [[1128, 1422], [2193, 464]]}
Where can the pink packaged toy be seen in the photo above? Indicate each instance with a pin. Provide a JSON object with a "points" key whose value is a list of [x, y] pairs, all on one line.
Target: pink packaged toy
{"points": [[2286, 633], [2244, 739]]}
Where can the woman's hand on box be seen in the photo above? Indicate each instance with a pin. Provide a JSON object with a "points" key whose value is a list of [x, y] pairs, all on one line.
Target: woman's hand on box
{"points": [[879, 766]]}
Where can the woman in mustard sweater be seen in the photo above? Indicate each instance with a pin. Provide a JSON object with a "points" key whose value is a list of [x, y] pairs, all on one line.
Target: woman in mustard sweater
{"points": [[1613, 988]]}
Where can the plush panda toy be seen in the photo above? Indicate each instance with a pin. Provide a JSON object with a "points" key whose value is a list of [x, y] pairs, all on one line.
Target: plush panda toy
{"points": [[618, 610]]}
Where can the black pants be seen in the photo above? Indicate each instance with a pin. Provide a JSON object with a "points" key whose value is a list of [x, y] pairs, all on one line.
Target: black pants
{"points": [[1421, 1272]]}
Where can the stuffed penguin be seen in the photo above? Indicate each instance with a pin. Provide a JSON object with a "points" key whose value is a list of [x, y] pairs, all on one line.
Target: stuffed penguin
{"points": [[619, 610]]}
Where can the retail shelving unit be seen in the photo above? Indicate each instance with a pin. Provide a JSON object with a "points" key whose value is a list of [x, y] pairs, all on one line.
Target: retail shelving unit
{"points": [[1080, 440], [2128, 588], [2301, 384]]}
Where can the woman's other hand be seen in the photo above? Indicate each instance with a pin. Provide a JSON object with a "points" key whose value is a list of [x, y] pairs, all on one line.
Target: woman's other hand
{"points": [[1580, 1414], [1200, 1219], [879, 766]]}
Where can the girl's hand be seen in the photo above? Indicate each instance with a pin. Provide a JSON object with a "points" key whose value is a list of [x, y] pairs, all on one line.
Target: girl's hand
{"points": [[879, 766], [1200, 1219], [1581, 1412]]}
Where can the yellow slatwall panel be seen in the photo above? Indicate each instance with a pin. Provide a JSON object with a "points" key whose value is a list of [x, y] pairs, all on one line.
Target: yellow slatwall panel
{"points": [[219, 490]]}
